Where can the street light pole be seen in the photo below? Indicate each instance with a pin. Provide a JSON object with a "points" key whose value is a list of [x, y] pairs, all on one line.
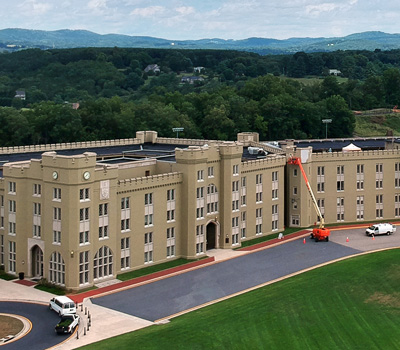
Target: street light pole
{"points": [[326, 122]]}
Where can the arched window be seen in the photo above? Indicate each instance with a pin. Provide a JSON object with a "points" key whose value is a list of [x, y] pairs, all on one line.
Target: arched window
{"points": [[57, 269], [103, 263], [212, 199]]}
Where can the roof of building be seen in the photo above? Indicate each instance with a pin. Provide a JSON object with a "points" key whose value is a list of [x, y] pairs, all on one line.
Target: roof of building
{"points": [[336, 145]]}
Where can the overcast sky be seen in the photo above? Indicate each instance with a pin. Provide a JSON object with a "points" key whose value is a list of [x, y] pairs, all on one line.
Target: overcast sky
{"points": [[198, 19]]}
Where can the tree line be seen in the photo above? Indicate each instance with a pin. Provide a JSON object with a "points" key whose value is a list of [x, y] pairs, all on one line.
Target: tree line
{"points": [[241, 91]]}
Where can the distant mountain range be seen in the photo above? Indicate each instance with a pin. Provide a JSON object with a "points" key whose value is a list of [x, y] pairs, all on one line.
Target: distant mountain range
{"points": [[13, 39]]}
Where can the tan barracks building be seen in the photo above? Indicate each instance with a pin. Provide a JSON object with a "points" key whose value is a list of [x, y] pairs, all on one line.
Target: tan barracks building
{"points": [[79, 214]]}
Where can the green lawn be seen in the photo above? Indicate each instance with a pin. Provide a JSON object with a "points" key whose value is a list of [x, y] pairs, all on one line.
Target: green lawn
{"points": [[353, 304]]}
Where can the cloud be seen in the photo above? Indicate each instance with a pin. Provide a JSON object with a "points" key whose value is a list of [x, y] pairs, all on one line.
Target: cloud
{"points": [[185, 10], [150, 11], [35, 8], [316, 10]]}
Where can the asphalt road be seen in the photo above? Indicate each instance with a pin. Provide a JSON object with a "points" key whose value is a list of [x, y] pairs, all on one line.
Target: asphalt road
{"points": [[42, 334], [181, 292]]}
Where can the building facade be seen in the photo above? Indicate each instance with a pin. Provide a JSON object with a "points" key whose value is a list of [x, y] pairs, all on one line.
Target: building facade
{"points": [[79, 214]]}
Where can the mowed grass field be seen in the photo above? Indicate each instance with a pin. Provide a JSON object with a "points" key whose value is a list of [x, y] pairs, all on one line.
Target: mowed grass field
{"points": [[351, 304]]}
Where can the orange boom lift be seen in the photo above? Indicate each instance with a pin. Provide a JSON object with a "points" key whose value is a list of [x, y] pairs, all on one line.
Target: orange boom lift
{"points": [[321, 233]]}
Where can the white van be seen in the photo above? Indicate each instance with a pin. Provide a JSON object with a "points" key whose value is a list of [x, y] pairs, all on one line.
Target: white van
{"points": [[380, 229], [62, 305]]}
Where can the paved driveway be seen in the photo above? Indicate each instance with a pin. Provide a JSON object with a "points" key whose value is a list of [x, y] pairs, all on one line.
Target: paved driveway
{"points": [[42, 335], [178, 293]]}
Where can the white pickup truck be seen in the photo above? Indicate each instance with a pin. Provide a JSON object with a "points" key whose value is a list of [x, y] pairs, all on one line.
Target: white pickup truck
{"points": [[67, 323], [380, 229]]}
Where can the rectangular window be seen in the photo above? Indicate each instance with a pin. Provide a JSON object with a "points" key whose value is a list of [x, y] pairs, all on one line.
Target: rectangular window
{"points": [[148, 220], [1, 250], [275, 217], [295, 220], [83, 214], [379, 176], [56, 194], [397, 175], [103, 232], [170, 242], [340, 178], [171, 195], [84, 267], [36, 231], [37, 190], [243, 191], [56, 237], [235, 230], [84, 194], [148, 247], [259, 188], [125, 214], [1, 211], [321, 206], [12, 187], [360, 208], [125, 203], [200, 239], [275, 185], [321, 179], [84, 237], [258, 221], [235, 170], [200, 203], [12, 257], [340, 209], [360, 177], [12, 206], [37, 209], [103, 209], [103, 221], [243, 225], [200, 175], [379, 206], [170, 215], [397, 205], [125, 253], [148, 199], [210, 171]]}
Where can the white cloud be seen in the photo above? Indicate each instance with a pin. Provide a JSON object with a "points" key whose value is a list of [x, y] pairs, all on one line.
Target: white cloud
{"points": [[185, 10], [35, 8], [148, 11], [97, 4]]}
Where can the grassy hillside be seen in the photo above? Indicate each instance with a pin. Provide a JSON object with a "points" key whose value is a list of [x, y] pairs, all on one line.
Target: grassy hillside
{"points": [[353, 304], [377, 125]]}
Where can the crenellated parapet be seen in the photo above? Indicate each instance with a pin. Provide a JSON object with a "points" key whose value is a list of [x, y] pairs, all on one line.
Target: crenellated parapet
{"points": [[192, 154], [355, 155], [139, 183], [68, 146], [267, 162]]}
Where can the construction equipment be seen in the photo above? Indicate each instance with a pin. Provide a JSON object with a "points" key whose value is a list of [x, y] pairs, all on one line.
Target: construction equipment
{"points": [[320, 233]]}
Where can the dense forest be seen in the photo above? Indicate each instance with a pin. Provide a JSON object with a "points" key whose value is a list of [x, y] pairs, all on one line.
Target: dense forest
{"points": [[235, 91]]}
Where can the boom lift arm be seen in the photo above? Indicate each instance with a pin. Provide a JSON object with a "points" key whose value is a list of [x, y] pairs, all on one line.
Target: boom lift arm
{"points": [[322, 232]]}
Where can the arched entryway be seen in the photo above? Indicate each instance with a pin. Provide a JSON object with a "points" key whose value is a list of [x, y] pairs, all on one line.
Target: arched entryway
{"points": [[37, 262], [211, 235]]}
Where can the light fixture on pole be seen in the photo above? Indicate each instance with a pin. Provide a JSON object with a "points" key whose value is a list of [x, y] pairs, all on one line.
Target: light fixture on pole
{"points": [[177, 130], [326, 122]]}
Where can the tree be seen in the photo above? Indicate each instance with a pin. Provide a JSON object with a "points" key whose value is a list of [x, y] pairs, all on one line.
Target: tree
{"points": [[343, 120]]}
